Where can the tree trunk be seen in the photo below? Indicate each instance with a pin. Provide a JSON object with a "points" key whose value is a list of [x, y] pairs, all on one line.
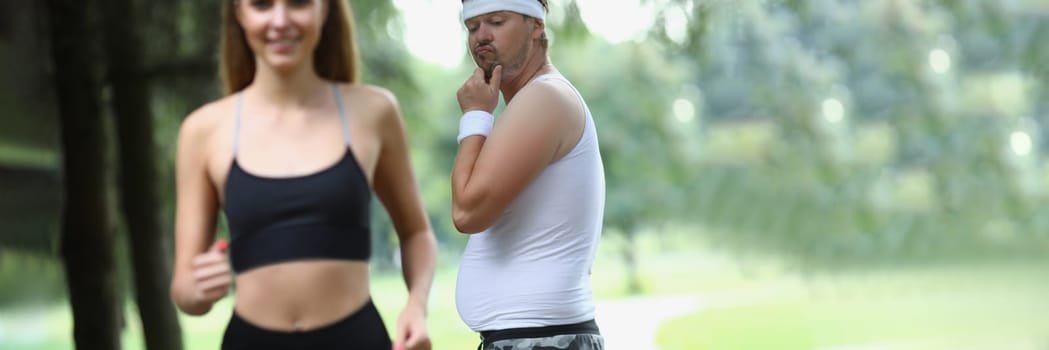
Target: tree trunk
{"points": [[630, 261], [87, 233], [140, 200]]}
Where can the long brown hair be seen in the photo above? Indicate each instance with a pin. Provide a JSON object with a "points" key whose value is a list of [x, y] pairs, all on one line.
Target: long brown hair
{"points": [[335, 58]]}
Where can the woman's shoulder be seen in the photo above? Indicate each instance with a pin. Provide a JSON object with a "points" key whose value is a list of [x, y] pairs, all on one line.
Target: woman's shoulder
{"points": [[206, 119], [372, 96]]}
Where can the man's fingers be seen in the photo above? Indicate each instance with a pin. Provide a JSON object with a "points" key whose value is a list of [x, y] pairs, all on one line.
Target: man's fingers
{"points": [[477, 93], [497, 76], [477, 74]]}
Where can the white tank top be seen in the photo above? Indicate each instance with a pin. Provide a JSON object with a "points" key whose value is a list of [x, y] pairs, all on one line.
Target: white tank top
{"points": [[532, 267]]}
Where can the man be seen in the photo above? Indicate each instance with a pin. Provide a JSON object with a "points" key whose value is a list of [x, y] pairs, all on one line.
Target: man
{"points": [[530, 187]]}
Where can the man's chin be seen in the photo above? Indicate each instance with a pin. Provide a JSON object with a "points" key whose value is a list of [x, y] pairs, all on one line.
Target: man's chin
{"points": [[488, 73], [487, 67]]}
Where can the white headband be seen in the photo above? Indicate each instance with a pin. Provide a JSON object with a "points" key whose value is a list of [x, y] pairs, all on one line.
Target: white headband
{"points": [[474, 8]]}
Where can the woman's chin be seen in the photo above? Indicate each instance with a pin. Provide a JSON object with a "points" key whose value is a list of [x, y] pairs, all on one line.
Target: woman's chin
{"points": [[284, 64]]}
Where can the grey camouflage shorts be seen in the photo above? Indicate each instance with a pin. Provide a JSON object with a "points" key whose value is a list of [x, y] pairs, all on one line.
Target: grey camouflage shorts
{"points": [[557, 342]]}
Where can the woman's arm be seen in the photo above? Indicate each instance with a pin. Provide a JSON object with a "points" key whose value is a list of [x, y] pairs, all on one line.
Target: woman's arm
{"points": [[201, 275], [396, 187]]}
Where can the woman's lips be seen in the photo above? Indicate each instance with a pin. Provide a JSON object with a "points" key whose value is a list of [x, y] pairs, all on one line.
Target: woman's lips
{"points": [[282, 46]]}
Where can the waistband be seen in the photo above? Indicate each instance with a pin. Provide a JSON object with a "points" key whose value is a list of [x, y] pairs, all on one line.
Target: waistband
{"points": [[333, 328], [585, 327], [362, 329]]}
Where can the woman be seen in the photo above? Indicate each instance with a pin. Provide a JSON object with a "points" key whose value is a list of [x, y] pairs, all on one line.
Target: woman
{"points": [[292, 154]]}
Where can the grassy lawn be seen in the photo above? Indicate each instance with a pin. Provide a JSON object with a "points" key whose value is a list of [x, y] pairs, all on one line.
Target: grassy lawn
{"points": [[975, 307], [27, 156], [48, 327], [751, 304]]}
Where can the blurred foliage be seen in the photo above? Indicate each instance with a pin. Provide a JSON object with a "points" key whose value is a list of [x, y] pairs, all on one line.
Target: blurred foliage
{"points": [[861, 132], [27, 119], [831, 132], [39, 281]]}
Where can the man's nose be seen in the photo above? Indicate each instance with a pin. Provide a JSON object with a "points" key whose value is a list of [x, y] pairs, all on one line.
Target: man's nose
{"points": [[484, 34]]}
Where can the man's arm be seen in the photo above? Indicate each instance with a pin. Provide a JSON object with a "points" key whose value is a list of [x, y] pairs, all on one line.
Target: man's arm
{"points": [[489, 172]]}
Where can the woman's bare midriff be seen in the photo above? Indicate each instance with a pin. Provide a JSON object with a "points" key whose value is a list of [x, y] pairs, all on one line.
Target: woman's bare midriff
{"points": [[301, 295]]}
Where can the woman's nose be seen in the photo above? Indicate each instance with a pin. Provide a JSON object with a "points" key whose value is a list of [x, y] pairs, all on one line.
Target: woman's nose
{"points": [[280, 15]]}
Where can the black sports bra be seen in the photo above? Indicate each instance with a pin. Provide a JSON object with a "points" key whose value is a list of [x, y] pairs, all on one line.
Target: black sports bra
{"points": [[323, 215]]}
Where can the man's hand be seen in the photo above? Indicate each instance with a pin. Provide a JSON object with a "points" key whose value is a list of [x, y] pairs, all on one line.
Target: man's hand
{"points": [[478, 95]]}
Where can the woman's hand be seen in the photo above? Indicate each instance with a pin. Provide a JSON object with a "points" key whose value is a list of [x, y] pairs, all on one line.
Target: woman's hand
{"points": [[411, 329], [211, 275]]}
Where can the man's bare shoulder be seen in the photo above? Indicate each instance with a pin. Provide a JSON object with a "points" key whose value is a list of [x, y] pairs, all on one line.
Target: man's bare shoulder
{"points": [[550, 97]]}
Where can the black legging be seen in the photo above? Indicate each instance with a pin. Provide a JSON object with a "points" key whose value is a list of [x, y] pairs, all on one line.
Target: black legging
{"points": [[363, 330]]}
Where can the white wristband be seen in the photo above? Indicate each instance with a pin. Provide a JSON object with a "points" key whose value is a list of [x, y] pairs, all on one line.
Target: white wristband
{"points": [[475, 123]]}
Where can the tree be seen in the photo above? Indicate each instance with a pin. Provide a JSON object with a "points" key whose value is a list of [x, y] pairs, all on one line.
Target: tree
{"points": [[646, 159], [87, 231], [908, 77], [140, 200]]}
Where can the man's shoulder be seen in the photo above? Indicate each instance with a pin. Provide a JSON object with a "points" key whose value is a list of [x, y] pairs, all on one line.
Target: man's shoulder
{"points": [[552, 95]]}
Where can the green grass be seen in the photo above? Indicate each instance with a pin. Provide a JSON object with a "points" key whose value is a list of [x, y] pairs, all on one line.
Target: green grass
{"points": [[754, 304], [30, 156], [446, 330], [48, 326], [938, 308]]}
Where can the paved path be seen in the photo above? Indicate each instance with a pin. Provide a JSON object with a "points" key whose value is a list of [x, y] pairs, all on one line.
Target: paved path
{"points": [[631, 323]]}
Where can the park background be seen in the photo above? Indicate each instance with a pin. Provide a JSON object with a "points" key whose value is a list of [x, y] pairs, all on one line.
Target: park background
{"points": [[781, 174]]}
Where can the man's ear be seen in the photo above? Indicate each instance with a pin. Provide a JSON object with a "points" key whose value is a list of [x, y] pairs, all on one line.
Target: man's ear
{"points": [[540, 28]]}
